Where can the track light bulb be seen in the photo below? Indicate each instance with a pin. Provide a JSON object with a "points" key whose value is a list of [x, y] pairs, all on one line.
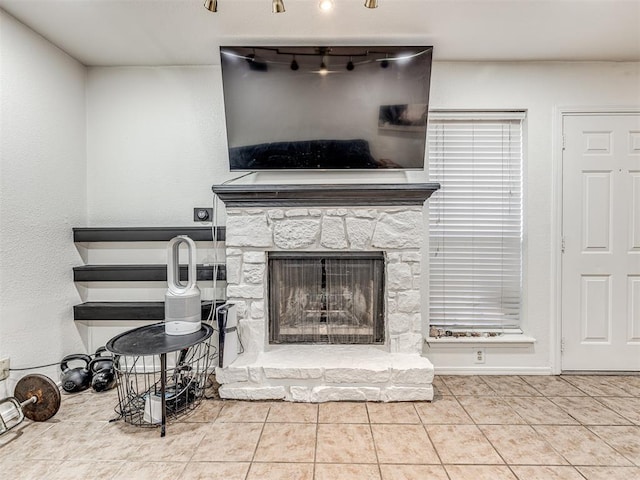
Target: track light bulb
{"points": [[325, 5], [277, 6], [371, 3], [294, 64], [211, 5], [323, 68]]}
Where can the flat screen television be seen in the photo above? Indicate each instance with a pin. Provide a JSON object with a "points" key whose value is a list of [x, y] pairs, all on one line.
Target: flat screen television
{"points": [[326, 108]]}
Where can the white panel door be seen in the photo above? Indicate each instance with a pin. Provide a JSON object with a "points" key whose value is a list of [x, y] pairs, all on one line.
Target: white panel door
{"points": [[601, 238]]}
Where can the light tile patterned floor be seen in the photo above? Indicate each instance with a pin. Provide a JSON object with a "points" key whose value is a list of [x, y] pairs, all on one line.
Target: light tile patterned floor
{"points": [[477, 428]]}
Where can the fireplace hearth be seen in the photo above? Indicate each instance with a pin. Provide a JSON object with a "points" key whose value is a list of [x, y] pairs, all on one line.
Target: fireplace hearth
{"points": [[327, 284]]}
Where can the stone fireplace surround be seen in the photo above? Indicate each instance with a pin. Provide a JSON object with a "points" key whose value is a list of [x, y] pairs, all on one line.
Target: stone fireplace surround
{"points": [[375, 217]]}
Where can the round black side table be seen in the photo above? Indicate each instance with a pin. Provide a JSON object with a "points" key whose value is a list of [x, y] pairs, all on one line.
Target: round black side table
{"points": [[152, 340]]}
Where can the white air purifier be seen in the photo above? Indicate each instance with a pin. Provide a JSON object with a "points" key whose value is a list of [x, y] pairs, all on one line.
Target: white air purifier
{"points": [[182, 309]]}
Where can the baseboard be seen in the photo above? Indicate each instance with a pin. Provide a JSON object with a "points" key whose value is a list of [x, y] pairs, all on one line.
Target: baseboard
{"points": [[482, 370]]}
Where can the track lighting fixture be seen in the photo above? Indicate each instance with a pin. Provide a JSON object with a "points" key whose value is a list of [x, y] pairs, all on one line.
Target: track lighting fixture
{"points": [[277, 6], [211, 5], [350, 65], [294, 64], [384, 63], [323, 67], [256, 63]]}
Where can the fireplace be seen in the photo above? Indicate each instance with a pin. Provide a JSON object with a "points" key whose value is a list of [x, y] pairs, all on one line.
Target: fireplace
{"points": [[326, 298], [327, 283]]}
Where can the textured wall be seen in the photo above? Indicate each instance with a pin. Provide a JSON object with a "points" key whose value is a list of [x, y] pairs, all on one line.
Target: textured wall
{"points": [[542, 89], [164, 127], [42, 196], [155, 144]]}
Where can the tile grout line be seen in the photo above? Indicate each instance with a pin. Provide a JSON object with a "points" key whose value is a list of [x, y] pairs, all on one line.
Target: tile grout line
{"points": [[475, 424], [549, 443], [315, 447], [590, 428], [373, 440], [599, 403], [435, 450], [255, 450], [526, 423], [195, 448], [597, 399]]}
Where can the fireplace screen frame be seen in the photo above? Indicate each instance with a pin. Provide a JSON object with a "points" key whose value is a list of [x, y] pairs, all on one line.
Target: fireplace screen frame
{"points": [[376, 303]]}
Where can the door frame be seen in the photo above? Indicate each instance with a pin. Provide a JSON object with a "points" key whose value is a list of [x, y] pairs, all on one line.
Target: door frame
{"points": [[556, 222]]}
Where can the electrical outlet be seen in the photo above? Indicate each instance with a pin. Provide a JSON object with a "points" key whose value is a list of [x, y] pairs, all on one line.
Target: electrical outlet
{"points": [[479, 355], [202, 214], [4, 368]]}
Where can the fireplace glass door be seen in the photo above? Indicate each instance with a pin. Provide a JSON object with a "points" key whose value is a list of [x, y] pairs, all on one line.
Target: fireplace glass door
{"points": [[319, 297]]}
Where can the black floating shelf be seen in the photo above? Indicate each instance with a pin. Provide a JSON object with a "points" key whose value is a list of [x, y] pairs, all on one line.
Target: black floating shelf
{"points": [[144, 234], [141, 273], [128, 310]]}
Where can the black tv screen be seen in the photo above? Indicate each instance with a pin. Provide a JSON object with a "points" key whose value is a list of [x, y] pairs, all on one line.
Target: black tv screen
{"points": [[326, 108]]}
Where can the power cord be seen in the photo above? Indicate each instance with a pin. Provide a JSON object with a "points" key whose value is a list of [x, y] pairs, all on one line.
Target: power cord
{"points": [[33, 368], [238, 178], [41, 366]]}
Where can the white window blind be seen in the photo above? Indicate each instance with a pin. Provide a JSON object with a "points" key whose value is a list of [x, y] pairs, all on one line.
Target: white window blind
{"points": [[475, 220]]}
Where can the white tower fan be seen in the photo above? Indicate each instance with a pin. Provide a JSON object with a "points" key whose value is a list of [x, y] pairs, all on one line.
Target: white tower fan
{"points": [[182, 308]]}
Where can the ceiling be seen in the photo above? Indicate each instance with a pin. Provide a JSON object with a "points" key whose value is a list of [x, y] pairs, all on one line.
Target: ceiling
{"points": [[182, 32]]}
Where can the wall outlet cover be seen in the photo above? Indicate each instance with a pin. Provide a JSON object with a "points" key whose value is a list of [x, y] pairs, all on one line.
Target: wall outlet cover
{"points": [[4, 368], [202, 214]]}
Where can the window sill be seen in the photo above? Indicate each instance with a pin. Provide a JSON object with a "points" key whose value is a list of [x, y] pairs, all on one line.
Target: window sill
{"points": [[509, 340]]}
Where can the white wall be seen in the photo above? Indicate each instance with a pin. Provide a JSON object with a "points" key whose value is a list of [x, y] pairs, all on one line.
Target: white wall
{"points": [[157, 143], [42, 196], [541, 88], [148, 143]]}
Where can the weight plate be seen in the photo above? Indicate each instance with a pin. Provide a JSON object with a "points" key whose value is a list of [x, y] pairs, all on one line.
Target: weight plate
{"points": [[47, 394]]}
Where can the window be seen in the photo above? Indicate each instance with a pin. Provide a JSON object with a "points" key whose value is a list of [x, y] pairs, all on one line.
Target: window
{"points": [[475, 220]]}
